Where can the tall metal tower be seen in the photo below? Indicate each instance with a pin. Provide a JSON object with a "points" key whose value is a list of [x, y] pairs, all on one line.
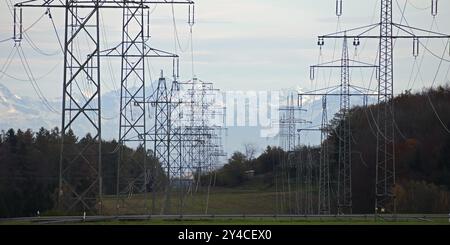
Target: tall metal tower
{"points": [[289, 123], [324, 200], [344, 189], [385, 152], [132, 122], [344, 178], [134, 50], [309, 183], [183, 144], [385, 161], [202, 138], [82, 104], [78, 107]]}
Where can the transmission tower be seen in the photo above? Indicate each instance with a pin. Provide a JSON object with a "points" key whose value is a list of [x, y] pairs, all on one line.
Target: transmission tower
{"points": [[344, 176], [290, 120], [133, 51], [80, 108], [324, 167], [203, 145], [184, 144], [344, 190], [309, 183], [385, 152], [324, 182]]}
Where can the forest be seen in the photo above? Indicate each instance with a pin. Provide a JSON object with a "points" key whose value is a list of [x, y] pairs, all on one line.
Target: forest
{"points": [[29, 169], [422, 155], [29, 161]]}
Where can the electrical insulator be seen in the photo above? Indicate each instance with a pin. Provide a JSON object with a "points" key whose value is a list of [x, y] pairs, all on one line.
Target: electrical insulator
{"points": [[338, 8], [311, 74], [178, 68], [321, 42], [18, 27], [356, 41], [434, 7], [324, 102], [416, 44], [191, 15], [148, 25], [173, 68], [448, 45]]}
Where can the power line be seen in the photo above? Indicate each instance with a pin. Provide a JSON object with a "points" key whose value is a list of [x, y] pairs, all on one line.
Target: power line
{"points": [[32, 80], [8, 62], [38, 78], [176, 36], [441, 60], [418, 7], [6, 40], [432, 85]]}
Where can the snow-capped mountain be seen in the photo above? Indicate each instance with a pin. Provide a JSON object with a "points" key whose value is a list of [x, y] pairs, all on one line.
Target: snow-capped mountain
{"points": [[21, 112]]}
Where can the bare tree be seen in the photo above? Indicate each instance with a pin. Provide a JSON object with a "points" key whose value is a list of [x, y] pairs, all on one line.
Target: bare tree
{"points": [[250, 151]]}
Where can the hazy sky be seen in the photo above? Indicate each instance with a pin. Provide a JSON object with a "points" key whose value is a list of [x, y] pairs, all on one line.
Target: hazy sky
{"points": [[238, 44]]}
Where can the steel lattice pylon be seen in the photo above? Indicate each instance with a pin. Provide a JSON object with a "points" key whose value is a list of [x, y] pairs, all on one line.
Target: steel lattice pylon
{"points": [[202, 143], [81, 192], [161, 137], [385, 158], [132, 122], [324, 167], [309, 184], [289, 124], [343, 132], [385, 152], [82, 95], [344, 188], [185, 148]]}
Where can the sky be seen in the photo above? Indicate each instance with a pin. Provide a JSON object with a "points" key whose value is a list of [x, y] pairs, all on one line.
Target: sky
{"points": [[249, 45], [238, 44]]}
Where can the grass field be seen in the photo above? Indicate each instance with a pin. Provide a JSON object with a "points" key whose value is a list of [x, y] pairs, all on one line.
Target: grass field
{"points": [[250, 221], [247, 205], [219, 201], [253, 197]]}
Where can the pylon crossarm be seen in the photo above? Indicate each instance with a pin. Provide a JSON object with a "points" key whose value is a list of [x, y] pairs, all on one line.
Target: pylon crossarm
{"points": [[118, 4], [360, 89], [348, 33], [423, 33], [331, 88], [358, 64], [150, 53]]}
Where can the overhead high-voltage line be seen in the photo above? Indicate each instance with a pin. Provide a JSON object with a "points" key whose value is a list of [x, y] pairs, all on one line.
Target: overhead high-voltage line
{"points": [[83, 107], [385, 152]]}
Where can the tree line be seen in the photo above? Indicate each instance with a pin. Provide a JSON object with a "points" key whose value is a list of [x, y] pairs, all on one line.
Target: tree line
{"points": [[29, 169], [29, 161], [422, 155]]}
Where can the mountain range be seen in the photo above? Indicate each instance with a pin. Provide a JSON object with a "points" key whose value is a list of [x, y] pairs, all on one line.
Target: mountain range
{"points": [[20, 112]]}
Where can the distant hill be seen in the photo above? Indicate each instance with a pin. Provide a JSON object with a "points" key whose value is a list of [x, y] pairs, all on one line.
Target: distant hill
{"points": [[422, 152]]}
